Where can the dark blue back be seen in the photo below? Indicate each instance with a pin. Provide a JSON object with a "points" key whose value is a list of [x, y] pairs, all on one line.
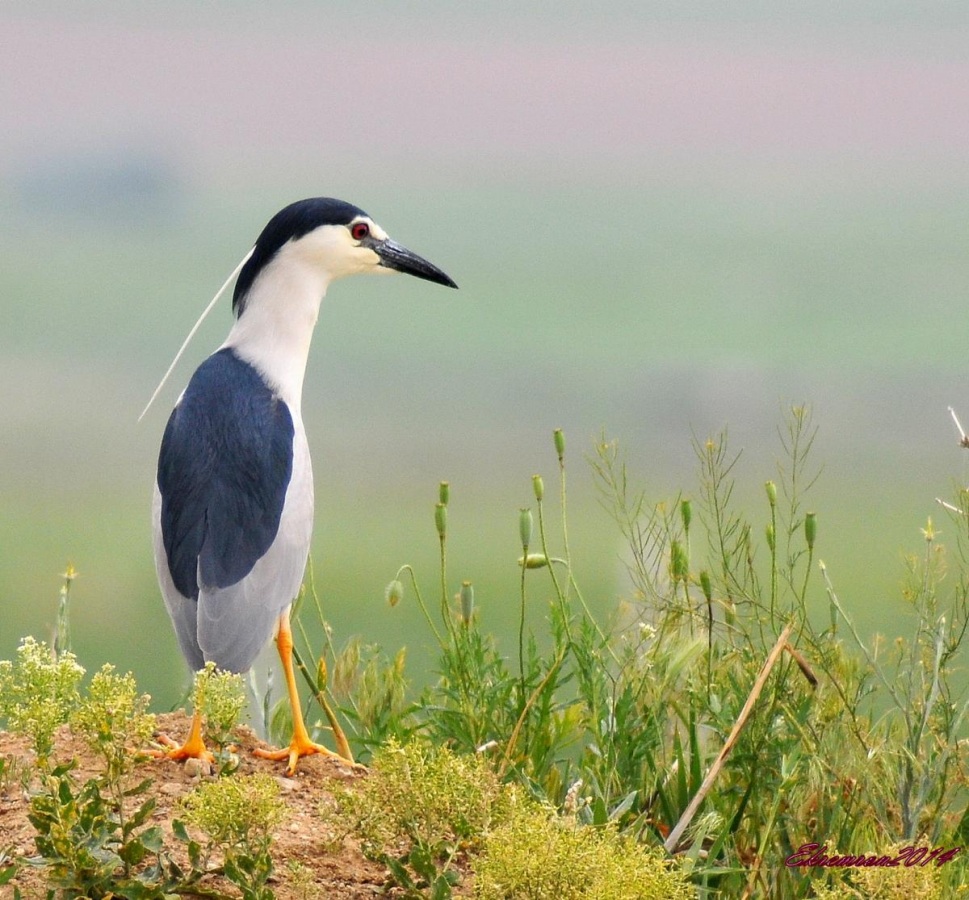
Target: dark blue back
{"points": [[225, 462]]}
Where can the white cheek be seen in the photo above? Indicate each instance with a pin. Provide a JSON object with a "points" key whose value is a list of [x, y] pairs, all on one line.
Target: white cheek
{"points": [[323, 245], [366, 260]]}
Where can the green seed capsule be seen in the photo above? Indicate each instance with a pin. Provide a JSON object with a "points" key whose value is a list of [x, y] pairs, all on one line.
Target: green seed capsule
{"points": [[440, 520], [394, 593], [810, 529], [686, 513], [467, 601], [559, 443], [771, 489], [444, 492], [770, 538], [525, 527], [322, 676], [533, 561], [538, 486], [679, 561], [706, 585]]}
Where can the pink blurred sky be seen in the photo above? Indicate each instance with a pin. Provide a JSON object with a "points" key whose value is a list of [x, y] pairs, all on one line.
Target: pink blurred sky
{"points": [[205, 92]]}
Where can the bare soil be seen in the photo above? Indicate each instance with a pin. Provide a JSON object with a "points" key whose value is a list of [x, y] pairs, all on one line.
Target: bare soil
{"points": [[325, 871]]}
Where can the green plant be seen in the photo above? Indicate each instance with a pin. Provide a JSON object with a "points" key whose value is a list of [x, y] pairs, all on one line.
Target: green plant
{"points": [[238, 816], [901, 882], [88, 848], [419, 811], [374, 688], [62, 632], [8, 867], [926, 707], [300, 879], [93, 838], [220, 697], [15, 774], [535, 854], [114, 721], [38, 693]]}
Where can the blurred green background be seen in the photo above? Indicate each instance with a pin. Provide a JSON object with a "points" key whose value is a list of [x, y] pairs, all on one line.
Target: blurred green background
{"points": [[664, 218]]}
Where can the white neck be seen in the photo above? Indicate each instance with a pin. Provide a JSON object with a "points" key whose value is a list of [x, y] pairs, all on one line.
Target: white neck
{"points": [[274, 331]]}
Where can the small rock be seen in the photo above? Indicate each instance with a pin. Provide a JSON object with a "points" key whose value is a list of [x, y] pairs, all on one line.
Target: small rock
{"points": [[197, 768]]}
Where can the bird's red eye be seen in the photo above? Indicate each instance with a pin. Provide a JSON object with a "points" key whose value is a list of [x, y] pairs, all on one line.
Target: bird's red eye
{"points": [[360, 230]]}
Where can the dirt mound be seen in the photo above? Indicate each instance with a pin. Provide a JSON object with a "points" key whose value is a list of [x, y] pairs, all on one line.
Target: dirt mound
{"points": [[322, 871]]}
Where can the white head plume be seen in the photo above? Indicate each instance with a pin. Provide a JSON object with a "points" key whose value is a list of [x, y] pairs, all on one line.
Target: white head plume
{"points": [[195, 328]]}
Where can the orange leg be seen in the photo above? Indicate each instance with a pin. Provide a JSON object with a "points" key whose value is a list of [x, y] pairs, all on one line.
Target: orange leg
{"points": [[194, 746], [301, 745]]}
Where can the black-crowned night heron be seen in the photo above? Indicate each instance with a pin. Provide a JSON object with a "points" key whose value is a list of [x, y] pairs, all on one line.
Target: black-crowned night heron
{"points": [[233, 501]]}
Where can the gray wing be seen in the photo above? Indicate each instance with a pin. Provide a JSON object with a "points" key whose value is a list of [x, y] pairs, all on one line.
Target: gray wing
{"points": [[181, 609], [235, 622], [230, 625]]}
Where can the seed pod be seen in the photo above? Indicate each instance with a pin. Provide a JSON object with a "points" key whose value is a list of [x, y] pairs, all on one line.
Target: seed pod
{"points": [[706, 585], [440, 520], [525, 528], [686, 513], [467, 601], [394, 592], [322, 676], [770, 537], [679, 561], [771, 489], [533, 561], [538, 486], [810, 529], [559, 443], [444, 492]]}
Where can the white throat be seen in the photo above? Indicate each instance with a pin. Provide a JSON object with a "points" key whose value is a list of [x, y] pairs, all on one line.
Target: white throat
{"points": [[275, 329]]}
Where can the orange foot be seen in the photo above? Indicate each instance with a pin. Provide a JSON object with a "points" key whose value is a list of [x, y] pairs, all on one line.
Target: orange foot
{"points": [[193, 748], [299, 747]]}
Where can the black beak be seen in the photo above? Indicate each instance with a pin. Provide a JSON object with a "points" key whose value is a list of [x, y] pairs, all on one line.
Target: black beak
{"points": [[393, 256]]}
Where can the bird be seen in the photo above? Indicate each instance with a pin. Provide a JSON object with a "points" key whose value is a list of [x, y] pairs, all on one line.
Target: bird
{"points": [[232, 508]]}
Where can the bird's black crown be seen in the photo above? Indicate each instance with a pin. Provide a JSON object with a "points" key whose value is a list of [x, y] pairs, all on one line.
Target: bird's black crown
{"points": [[290, 223]]}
